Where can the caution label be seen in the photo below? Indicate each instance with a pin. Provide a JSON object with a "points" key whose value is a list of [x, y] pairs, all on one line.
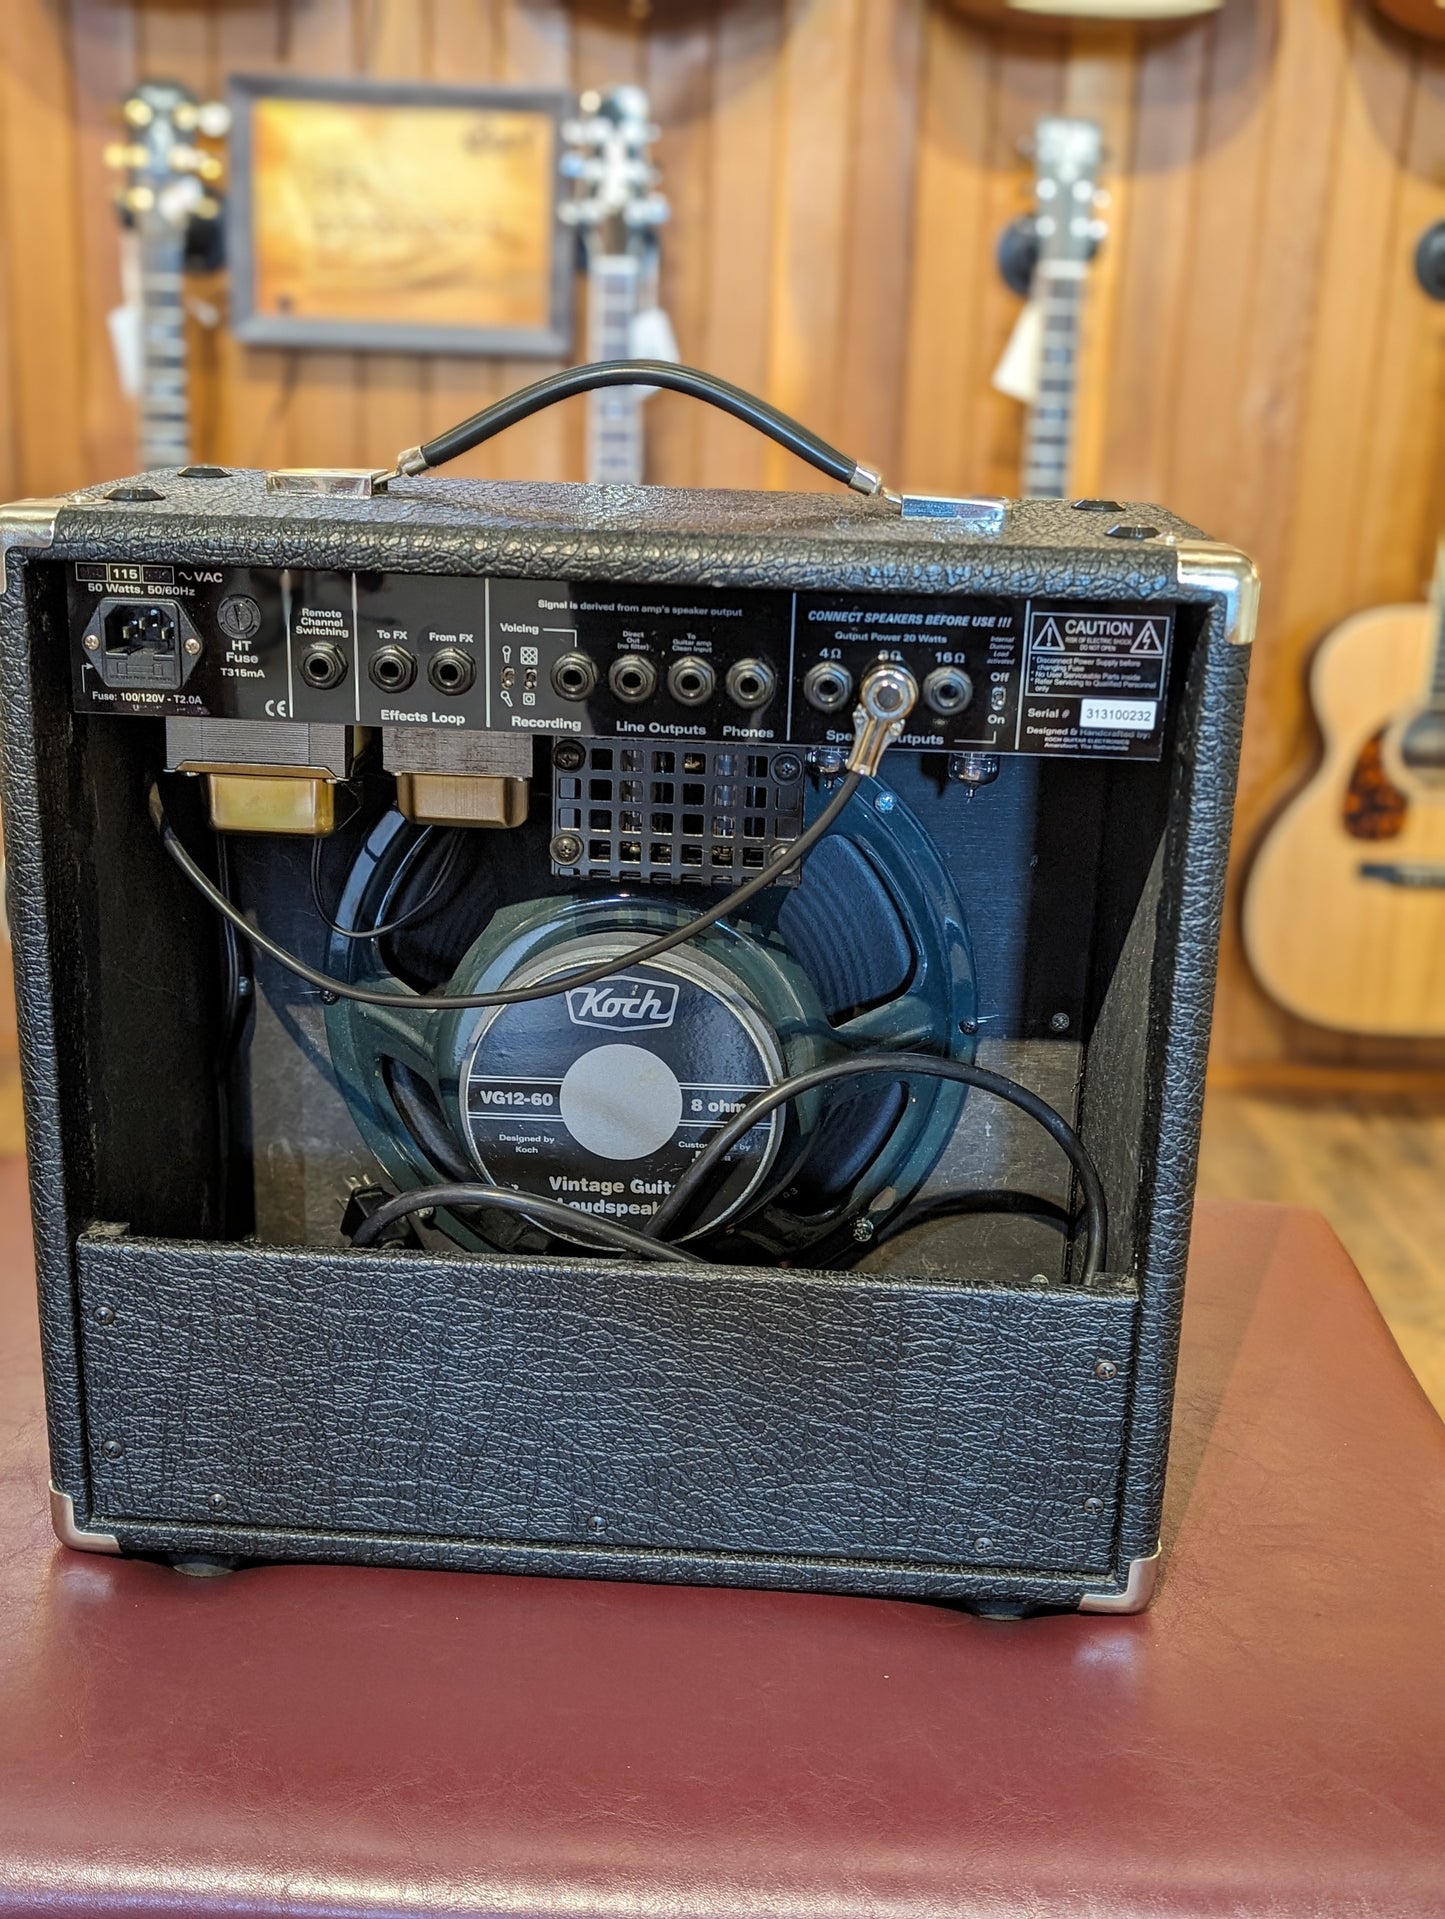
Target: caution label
{"points": [[1094, 681]]}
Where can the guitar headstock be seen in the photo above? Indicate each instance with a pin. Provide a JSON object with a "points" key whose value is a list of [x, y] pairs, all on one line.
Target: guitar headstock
{"points": [[169, 174], [1067, 157], [614, 183]]}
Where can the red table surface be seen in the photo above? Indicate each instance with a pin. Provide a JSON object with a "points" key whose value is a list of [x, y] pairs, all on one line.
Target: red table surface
{"points": [[1270, 1738]]}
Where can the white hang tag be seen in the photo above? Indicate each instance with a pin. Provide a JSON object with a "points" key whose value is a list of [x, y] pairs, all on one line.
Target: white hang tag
{"points": [[1018, 372], [650, 337], [124, 321]]}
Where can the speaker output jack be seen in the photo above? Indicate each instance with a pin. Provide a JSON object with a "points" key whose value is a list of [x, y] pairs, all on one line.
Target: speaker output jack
{"points": [[451, 671], [828, 686], [947, 690], [392, 669], [633, 678], [691, 681]]}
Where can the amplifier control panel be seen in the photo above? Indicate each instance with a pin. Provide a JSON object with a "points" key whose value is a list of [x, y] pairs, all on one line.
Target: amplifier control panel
{"points": [[996, 674]]}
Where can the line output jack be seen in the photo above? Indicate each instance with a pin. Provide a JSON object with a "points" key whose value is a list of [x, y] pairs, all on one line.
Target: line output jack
{"points": [[751, 683], [392, 669], [574, 676], [451, 671], [633, 678], [828, 686], [323, 666], [691, 681]]}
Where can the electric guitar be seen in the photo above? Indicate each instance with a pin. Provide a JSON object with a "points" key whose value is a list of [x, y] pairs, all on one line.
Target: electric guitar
{"points": [[171, 217], [1047, 255], [617, 209], [1344, 909]]}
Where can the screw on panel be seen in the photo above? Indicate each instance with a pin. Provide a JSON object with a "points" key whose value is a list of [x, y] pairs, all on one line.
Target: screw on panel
{"points": [[105, 1315], [787, 767], [112, 1448], [1093, 1505], [863, 1229], [92, 642], [1059, 1022], [1105, 1369], [567, 756], [217, 1502], [984, 1545], [885, 802], [596, 1524], [193, 646], [566, 849]]}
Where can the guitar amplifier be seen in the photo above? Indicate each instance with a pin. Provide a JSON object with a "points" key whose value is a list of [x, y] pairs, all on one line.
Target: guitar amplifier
{"points": [[616, 1032]]}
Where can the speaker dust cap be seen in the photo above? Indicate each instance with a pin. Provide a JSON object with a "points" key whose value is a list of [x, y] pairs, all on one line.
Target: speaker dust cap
{"points": [[603, 1095]]}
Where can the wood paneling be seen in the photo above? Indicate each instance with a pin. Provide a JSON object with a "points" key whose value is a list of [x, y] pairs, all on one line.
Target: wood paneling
{"points": [[1257, 353]]}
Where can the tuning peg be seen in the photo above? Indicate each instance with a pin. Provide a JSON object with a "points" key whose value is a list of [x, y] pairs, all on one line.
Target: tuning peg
{"points": [[138, 113], [591, 102], [207, 208], [120, 154], [138, 199], [209, 167], [185, 117], [214, 119]]}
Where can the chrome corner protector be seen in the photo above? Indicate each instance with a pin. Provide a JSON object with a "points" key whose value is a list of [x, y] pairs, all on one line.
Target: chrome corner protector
{"points": [[1138, 1588], [26, 523], [329, 482], [1216, 568], [62, 1518], [978, 513]]}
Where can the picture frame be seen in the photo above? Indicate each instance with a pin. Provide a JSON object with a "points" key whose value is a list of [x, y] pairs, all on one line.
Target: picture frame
{"points": [[399, 217]]}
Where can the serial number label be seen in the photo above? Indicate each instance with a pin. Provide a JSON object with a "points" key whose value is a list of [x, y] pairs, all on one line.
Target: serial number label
{"points": [[1135, 715]]}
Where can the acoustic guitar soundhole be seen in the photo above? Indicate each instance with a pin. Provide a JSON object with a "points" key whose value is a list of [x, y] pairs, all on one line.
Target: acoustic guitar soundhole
{"points": [[1374, 807]]}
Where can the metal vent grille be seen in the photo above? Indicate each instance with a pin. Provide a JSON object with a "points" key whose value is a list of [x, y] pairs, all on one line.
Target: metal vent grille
{"points": [[673, 811]]}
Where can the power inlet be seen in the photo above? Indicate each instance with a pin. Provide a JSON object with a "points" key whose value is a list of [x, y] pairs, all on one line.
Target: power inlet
{"points": [[146, 646]]}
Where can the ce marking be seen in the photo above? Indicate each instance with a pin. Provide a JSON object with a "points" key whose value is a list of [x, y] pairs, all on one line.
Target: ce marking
{"points": [[276, 709]]}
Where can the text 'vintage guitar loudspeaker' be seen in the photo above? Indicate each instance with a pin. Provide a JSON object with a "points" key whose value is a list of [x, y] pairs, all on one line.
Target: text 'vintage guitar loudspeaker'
{"points": [[614, 1032]]}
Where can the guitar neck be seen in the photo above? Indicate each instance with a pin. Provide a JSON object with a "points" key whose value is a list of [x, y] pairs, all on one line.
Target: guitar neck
{"points": [[614, 414], [1436, 696], [165, 421], [1048, 436]]}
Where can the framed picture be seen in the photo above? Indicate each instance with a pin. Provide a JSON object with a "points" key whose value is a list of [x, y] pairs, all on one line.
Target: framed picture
{"points": [[398, 217]]}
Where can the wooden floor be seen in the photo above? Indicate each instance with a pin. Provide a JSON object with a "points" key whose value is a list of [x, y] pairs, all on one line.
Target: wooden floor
{"points": [[1376, 1169]]}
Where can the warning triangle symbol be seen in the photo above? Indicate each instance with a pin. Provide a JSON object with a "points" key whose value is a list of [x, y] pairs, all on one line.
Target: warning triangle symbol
{"points": [[1150, 639], [1048, 638]]}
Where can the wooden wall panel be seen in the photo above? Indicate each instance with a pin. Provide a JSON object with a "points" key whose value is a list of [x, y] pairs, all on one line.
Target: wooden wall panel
{"points": [[1256, 353]]}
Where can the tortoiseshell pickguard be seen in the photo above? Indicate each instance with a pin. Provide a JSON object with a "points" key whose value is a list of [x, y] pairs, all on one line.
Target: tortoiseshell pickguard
{"points": [[1374, 808]]}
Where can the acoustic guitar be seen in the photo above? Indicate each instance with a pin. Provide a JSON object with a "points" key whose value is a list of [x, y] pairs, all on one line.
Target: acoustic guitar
{"points": [[1344, 910]]}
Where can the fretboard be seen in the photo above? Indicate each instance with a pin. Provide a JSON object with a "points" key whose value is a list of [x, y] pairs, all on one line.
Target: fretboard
{"points": [[1437, 671], [165, 422], [1048, 435], [614, 415]]}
